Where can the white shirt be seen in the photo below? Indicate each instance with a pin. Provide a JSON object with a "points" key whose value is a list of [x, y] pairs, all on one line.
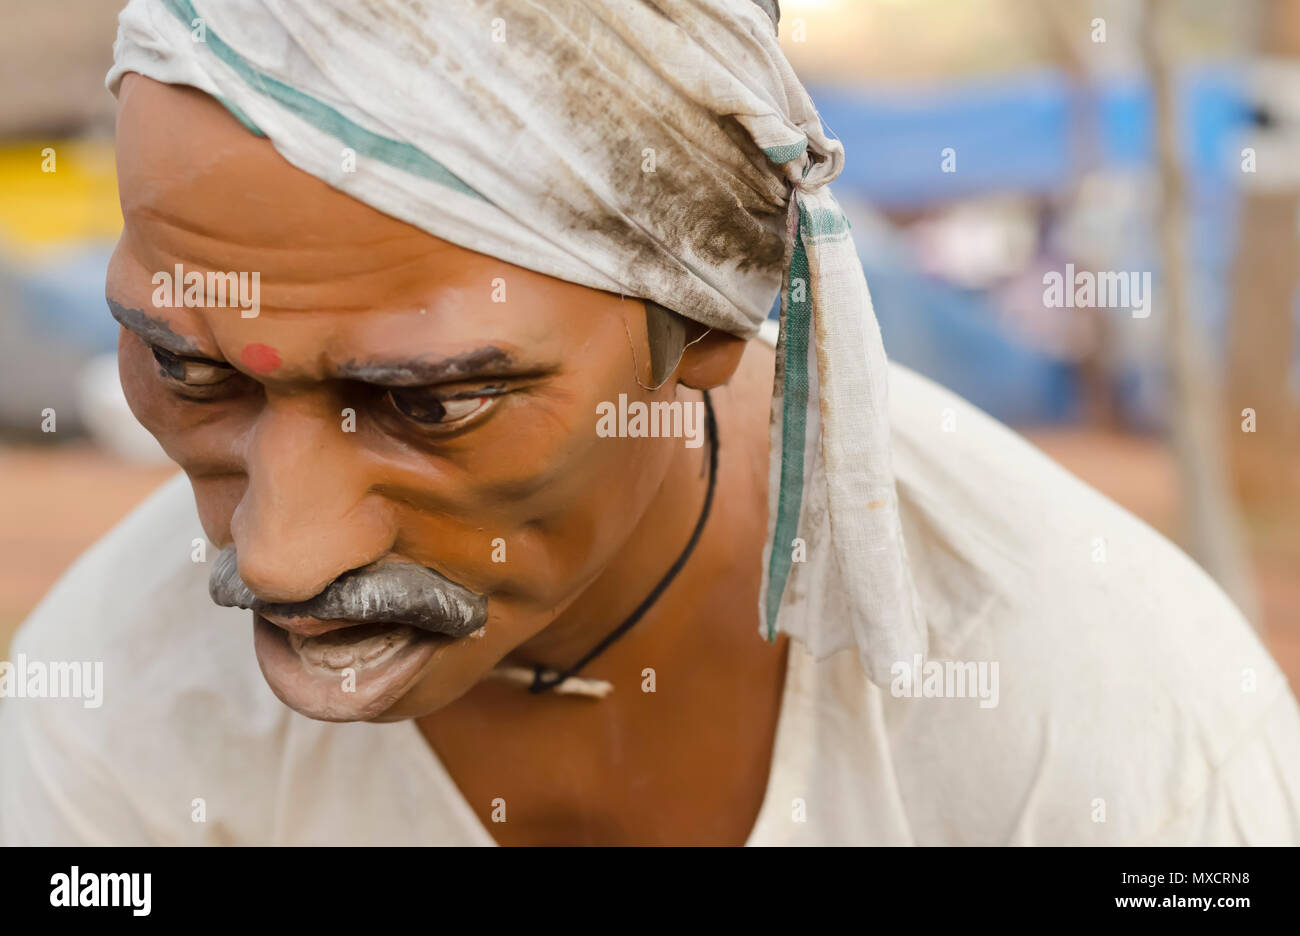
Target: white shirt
{"points": [[1134, 704]]}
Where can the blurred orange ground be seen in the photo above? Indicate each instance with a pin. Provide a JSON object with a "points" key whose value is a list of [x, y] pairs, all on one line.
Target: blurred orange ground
{"points": [[54, 502], [57, 500]]}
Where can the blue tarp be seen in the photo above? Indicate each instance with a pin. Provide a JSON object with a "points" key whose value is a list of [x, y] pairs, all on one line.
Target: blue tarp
{"points": [[1015, 135]]}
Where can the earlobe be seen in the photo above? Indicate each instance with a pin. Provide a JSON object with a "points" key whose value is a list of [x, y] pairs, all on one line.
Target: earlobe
{"points": [[711, 360]]}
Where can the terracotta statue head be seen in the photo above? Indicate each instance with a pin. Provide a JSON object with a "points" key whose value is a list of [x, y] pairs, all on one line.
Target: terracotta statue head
{"points": [[404, 430]]}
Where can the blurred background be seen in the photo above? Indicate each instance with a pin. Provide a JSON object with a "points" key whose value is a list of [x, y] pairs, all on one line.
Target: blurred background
{"points": [[989, 143]]}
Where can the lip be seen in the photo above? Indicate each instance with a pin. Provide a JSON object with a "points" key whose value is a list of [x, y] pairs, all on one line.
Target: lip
{"points": [[359, 690], [305, 626]]}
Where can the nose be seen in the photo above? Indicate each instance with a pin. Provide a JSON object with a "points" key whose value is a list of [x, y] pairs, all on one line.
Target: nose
{"points": [[308, 514]]}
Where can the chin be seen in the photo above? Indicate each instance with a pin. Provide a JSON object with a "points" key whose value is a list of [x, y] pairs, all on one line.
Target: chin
{"points": [[425, 698]]}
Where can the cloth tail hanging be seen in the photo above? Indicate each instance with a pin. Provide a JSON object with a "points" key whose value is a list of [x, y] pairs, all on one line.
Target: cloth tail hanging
{"points": [[830, 474]]}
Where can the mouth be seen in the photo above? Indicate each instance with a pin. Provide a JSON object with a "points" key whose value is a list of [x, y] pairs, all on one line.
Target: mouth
{"points": [[335, 671]]}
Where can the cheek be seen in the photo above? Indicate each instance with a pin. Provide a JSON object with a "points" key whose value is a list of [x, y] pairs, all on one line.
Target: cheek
{"points": [[204, 440], [138, 371], [153, 404], [541, 507], [216, 499], [547, 563]]}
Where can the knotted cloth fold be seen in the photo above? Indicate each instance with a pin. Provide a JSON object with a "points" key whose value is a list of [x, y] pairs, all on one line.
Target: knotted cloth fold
{"points": [[660, 149]]}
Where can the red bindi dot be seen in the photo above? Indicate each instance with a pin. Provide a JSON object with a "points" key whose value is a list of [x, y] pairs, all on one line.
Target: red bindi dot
{"points": [[260, 358]]}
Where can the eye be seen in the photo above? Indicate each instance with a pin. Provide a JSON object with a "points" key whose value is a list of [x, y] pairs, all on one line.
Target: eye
{"points": [[422, 405], [192, 372]]}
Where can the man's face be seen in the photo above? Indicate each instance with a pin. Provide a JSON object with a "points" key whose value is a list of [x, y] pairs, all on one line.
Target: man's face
{"points": [[383, 411]]}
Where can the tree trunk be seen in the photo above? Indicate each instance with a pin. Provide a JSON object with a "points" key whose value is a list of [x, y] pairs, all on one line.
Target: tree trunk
{"points": [[1261, 329], [1211, 525]]}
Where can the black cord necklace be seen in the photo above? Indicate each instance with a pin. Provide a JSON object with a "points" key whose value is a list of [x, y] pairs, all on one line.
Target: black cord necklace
{"points": [[544, 680]]}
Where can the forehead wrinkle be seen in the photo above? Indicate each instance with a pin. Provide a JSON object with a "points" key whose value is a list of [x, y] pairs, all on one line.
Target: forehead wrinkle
{"points": [[310, 281], [402, 261], [190, 226]]}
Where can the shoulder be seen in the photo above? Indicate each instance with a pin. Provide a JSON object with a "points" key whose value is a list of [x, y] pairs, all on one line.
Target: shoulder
{"points": [[1128, 686], [137, 601], [173, 709]]}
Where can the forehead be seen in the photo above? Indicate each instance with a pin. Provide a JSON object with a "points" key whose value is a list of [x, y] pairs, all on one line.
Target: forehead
{"points": [[195, 184], [198, 188]]}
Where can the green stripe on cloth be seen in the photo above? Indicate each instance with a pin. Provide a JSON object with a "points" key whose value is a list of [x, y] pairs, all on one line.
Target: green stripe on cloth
{"points": [[780, 155], [794, 420], [400, 155], [822, 224]]}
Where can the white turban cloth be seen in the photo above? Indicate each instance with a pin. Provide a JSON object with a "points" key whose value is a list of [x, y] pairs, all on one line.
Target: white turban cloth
{"points": [[659, 149]]}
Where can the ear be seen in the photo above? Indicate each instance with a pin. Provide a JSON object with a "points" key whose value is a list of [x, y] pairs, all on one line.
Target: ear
{"points": [[706, 364], [711, 361]]}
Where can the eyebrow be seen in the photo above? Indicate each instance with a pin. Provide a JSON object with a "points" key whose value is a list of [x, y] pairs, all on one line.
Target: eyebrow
{"points": [[488, 361], [152, 329]]}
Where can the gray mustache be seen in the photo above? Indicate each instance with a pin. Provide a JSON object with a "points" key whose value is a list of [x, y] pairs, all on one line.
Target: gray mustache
{"points": [[387, 593]]}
